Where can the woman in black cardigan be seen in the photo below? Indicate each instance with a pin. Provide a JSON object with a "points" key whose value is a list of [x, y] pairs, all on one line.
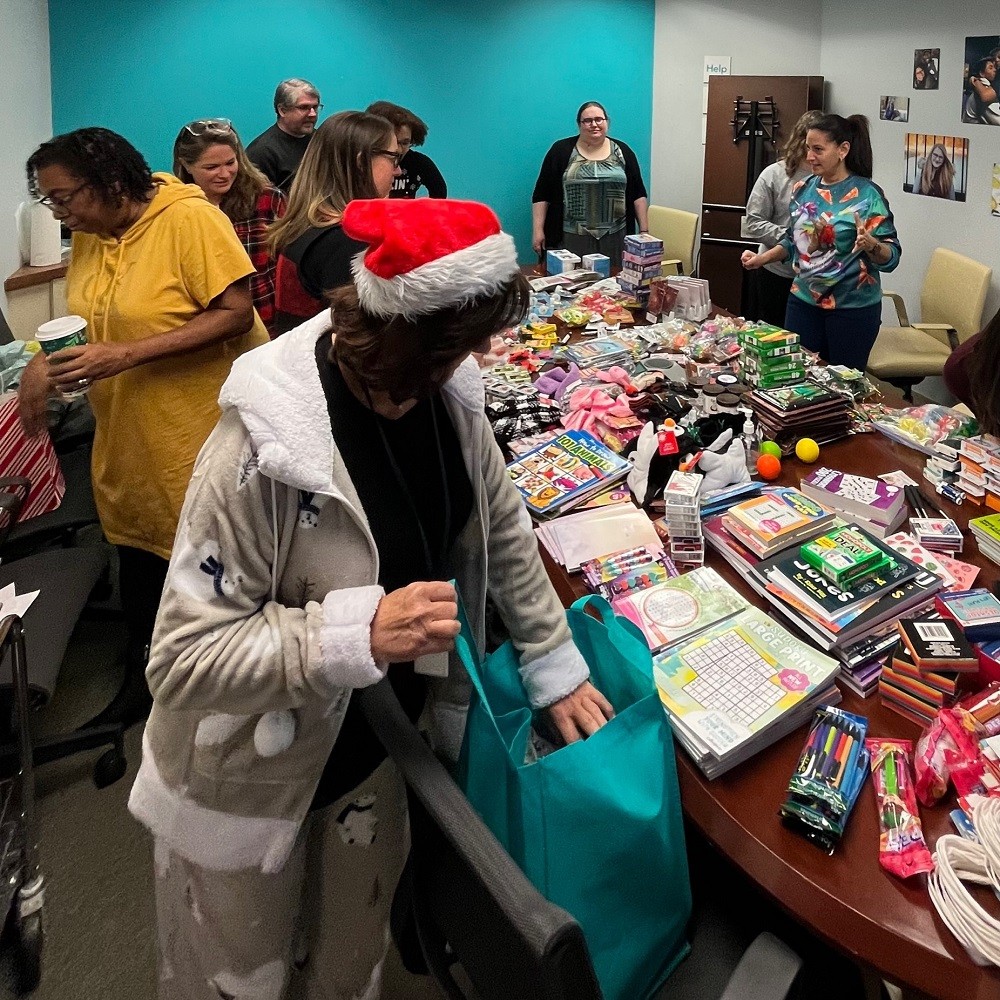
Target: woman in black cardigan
{"points": [[589, 193]]}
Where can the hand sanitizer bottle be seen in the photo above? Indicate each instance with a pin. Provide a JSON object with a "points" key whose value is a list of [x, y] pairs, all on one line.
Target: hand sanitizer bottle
{"points": [[751, 442]]}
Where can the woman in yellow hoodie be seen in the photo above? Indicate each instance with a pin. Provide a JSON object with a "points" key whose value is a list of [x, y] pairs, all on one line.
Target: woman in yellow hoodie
{"points": [[164, 285]]}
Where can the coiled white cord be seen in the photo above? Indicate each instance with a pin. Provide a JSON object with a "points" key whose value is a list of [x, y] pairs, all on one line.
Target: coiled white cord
{"points": [[957, 861]]}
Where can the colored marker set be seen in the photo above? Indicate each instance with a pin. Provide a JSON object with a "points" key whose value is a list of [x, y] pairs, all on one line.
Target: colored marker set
{"points": [[831, 770]]}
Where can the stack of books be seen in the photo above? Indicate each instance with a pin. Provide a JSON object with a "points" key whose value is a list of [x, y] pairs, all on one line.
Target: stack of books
{"points": [[789, 413], [776, 520], [977, 613], [682, 517], [564, 472], [576, 538], [740, 685], [943, 464], [857, 625], [874, 505], [931, 667], [642, 260], [771, 356], [987, 532]]}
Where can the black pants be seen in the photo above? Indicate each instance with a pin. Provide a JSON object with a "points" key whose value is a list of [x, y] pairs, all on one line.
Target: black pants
{"points": [[141, 576], [767, 296]]}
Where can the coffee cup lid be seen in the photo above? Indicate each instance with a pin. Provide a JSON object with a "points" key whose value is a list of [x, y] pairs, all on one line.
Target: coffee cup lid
{"points": [[61, 327]]}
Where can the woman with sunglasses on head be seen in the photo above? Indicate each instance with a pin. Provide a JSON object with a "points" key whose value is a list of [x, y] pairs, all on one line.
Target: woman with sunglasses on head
{"points": [[352, 155], [589, 194], [209, 153], [164, 286]]}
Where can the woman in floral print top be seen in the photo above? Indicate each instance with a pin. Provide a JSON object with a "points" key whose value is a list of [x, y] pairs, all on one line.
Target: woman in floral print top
{"points": [[840, 238]]}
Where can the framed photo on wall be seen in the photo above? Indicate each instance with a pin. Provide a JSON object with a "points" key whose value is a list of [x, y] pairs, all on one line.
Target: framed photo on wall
{"points": [[980, 103], [936, 166], [894, 109]]}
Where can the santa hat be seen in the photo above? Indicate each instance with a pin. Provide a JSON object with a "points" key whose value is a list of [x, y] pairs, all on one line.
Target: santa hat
{"points": [[426, 254]]}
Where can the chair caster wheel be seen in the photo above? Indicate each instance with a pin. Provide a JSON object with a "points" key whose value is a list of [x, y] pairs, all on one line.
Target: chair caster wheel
{"points": [[109, 768]]}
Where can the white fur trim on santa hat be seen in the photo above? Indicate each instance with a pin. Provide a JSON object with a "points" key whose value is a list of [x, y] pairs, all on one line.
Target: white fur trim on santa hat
{"points": [[456, 279]]}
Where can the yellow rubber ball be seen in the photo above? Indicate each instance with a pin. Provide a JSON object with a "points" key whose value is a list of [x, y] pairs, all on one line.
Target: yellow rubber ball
{"points": [[770, 448], [806, 450], [768, 467]]}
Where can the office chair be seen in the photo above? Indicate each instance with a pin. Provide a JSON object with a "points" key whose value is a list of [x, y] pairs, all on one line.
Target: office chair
{"points": [[474, 909], [951, 310], [678, 230], [65, 579]]}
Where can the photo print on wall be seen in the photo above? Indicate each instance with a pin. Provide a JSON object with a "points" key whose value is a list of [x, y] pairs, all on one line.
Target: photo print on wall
{"points": [[980, 103], [894, 109], [937, 165], [995, 192], [926, 69]]}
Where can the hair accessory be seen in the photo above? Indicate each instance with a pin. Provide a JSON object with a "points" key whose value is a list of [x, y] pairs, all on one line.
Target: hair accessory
{"points": [[426, 254]]}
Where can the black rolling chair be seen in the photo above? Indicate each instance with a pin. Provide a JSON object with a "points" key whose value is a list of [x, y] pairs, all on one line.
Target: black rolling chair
{"points": [[473, 908], [65, 579]]}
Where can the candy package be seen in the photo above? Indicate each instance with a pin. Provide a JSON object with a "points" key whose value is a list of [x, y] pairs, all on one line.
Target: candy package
{"points": [[922, 427], [902, 849]]}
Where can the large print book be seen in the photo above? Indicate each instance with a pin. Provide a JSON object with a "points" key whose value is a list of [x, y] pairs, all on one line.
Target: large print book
{"points": [[565, 471], [680, 608], [729, 686], [868, 498]]}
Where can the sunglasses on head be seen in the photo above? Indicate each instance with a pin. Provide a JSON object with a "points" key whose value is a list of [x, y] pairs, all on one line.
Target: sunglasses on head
{"points": [[210, 126]]}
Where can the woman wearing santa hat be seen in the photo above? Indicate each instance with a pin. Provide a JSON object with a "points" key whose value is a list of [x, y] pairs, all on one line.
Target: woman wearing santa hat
{"points": [[352, 475]]}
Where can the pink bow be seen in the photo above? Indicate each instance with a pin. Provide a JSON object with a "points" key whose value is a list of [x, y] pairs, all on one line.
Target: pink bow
{"points": [[588, 405]]}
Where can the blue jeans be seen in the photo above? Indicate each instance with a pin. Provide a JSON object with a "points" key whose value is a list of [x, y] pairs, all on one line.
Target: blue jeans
{"points": [[839, 336]]}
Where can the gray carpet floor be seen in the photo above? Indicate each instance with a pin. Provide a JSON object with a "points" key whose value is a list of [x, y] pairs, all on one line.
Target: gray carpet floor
{"points": [[97, 861]]}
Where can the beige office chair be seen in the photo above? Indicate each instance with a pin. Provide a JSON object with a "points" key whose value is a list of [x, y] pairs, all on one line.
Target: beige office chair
{"points": [[951, 311], [678, 231]]}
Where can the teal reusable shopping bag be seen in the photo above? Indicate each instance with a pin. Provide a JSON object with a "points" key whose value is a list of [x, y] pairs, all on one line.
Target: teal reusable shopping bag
{"points": [[596, 825]]}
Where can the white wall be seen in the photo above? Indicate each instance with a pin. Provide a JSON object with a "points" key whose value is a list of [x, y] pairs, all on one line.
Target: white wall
{"points": [[25, 111], [868, 51], [764, 37]]}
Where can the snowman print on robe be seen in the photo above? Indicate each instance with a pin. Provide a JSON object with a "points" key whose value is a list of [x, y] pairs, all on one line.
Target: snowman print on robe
{"points": [[310, 504], [201, 572]]}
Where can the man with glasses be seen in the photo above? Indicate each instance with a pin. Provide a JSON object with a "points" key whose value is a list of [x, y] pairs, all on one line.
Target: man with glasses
{"points": [[278, 151]]}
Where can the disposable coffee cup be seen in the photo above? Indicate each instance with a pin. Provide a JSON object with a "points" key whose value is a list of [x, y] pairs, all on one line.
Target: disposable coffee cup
{"points": [[57, 335]]}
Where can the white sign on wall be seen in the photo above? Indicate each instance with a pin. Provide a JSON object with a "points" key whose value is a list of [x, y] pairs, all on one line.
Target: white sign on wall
{"points": [[717, 66]]}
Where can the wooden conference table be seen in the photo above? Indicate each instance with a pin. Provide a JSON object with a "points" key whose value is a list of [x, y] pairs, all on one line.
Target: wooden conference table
{"points": [[847, 899]]}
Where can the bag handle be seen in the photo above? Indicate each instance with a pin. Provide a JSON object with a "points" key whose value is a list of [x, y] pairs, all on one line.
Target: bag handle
{"points": [[605, 612]]}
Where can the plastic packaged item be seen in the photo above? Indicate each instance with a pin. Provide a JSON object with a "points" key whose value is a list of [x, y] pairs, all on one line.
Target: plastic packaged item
{"points": [[947, 742], [922, 427], [902, 849]]}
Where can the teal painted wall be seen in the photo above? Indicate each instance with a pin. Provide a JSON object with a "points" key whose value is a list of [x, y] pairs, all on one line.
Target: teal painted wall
{"points": [[496, 83]]}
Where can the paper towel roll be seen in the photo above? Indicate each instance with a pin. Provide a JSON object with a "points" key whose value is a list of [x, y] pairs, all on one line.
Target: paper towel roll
{"points": [[46, 247]]}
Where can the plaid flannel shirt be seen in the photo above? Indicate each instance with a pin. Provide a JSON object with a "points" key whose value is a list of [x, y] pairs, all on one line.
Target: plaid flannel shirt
{"points": [[271, 206]]}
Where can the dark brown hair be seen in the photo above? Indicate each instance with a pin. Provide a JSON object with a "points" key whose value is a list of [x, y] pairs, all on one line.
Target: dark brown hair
{"points": [[408, 359], [589, 104], [982, 366], [853, 130], [400, 116]]}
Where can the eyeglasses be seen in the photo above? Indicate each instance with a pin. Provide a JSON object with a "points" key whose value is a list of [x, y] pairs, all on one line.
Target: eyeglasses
{"points": [[306, 108], [210, 126], [592, 121], [395, 157], [59, 203]]}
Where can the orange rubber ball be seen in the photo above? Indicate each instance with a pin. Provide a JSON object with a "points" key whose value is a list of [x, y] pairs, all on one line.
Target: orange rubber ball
{"points": [[768, 467]]}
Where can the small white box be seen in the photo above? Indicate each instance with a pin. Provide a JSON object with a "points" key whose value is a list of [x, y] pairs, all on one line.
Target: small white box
{"points": [[561, 261], [597, 262]]}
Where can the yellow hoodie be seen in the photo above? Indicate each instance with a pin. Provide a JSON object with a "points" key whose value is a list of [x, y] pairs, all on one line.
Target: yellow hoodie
{"points": [[152, 420]]}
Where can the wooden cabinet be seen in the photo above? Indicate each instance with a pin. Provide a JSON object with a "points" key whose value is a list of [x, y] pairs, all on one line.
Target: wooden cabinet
{"points": [[741, 104], [34, 296]]}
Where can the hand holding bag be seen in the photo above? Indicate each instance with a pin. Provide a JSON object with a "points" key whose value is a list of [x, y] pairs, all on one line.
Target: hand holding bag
{"points": [[596, 825]]}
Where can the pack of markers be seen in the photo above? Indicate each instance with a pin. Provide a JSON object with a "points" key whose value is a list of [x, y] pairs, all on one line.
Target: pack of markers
{"points": [[621, 573], [831, 770]]}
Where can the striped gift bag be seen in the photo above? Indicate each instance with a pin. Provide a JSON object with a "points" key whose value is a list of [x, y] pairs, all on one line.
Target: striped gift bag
{"points": [[33, 458]]}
